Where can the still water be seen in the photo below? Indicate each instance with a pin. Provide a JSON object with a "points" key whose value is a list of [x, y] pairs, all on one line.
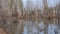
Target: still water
{"points": [[32, 28]]}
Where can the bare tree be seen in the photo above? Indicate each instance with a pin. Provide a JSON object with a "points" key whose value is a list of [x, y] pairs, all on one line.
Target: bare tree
{"points": [[45, 15]]}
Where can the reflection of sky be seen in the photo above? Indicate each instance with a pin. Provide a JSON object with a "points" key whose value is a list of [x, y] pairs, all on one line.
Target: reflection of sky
{"points": [[50, 2], [32, 30]]}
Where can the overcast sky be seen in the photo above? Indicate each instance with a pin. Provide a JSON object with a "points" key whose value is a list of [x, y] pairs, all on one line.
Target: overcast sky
{"points": [[51, 3]]}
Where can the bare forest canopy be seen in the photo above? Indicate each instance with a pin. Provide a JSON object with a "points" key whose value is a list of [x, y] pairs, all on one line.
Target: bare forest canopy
{"points": [[13, 13]]}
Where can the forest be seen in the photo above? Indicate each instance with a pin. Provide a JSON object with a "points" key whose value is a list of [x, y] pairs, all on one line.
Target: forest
{"points": [[29, 17]]}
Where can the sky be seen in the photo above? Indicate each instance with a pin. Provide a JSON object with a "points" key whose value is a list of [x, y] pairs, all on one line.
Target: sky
{"points": [[51, 3]]}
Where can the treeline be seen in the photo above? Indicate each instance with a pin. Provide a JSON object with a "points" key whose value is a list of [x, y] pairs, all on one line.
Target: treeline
{"points": [[13, 11]]}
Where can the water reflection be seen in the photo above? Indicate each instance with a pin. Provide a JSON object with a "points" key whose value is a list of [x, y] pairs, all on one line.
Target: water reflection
{"points": [[52, 28], [32, 28]]}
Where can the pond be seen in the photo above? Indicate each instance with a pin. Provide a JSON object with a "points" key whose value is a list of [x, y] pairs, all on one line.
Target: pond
{"points": [[32, 28]]}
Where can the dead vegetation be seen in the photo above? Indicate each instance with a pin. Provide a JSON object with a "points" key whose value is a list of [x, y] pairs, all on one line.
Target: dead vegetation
{"points": [[11, 21]]}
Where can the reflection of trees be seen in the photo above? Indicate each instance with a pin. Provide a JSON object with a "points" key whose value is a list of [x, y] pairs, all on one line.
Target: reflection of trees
{"points": [[12, 19]]}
